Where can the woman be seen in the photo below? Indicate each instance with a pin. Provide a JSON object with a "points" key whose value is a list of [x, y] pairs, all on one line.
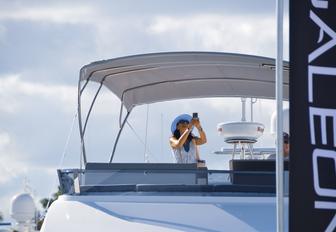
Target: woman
{"points": [[183, 142]]}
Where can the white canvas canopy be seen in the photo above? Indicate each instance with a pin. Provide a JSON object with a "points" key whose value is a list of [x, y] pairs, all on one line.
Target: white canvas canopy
{"points": [[159, 77]]}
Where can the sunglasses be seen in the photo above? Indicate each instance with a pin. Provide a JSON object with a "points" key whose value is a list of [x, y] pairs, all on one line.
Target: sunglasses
{"points": [[183, 122]]}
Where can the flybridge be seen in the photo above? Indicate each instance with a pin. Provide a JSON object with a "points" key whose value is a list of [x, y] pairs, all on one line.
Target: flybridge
{"points": [[158, 77]]}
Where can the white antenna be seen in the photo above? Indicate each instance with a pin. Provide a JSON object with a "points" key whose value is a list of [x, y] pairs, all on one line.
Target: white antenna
{"points": [[26, 186], [243, 100], [60, 164], [139, 138], [253, 101], [146, 157], [161, 133]]}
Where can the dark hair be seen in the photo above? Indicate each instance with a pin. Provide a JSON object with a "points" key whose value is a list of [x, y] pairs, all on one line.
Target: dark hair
{"points": [[285, 137], [186, 145]]}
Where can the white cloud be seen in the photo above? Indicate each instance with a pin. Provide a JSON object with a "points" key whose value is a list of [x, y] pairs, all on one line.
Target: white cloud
{"points": [[10, 164], [251, 34], [65, 14], [15, 163], [2, 33], [15, 94], [16, 168], [4, 139]]}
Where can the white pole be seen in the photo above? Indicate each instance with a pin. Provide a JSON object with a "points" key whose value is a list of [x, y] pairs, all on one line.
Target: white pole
{"points": [[279, 126], [243, 100], [146, 158]]}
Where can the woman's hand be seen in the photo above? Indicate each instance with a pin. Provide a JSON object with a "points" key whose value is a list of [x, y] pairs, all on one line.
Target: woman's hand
{"points": [[196, 122], [190, 125]]}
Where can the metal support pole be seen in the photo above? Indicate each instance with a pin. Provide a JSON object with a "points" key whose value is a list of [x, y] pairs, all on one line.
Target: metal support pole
{"points": [[279, 125], [250, 146], [83, 153], [91, 107], [234, 150], [81, 128], [119, 133]]}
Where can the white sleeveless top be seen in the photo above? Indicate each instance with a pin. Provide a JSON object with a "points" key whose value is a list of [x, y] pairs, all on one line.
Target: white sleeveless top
{"points": [[183, 157]]}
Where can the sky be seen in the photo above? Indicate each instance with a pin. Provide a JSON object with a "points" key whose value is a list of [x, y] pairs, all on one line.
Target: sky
{"points": [[43, 44]]}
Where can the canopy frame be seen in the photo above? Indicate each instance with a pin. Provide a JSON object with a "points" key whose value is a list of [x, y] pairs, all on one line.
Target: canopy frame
{"points": [[129, 67]]}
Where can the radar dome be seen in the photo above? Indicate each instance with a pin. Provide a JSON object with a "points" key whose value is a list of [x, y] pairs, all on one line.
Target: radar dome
{"points": [[22, 208], [240, 131]]}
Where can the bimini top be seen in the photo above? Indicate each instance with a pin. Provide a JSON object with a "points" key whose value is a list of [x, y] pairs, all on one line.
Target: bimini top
{"points": [[159, 77]]}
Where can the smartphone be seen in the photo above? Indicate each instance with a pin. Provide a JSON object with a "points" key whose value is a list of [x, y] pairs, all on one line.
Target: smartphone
{"points": [[195, 115]]}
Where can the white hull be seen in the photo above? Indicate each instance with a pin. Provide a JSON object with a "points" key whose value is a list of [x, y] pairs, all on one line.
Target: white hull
{"points": [[162, 213]]}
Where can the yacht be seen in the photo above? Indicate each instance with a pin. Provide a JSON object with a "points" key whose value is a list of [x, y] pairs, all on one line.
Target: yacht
{"points": [[133, 196]]}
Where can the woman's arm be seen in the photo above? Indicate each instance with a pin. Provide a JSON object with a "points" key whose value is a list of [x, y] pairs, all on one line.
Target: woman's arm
{"points": [[202, 139], [178, 143]]}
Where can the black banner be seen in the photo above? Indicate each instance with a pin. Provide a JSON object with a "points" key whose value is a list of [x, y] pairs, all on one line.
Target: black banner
{"points": [[312, 201]]}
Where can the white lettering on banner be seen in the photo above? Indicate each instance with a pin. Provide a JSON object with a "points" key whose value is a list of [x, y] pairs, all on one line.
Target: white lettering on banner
{"points": [[323, 113], [332, 225], [322, 153], [317, 70], [327, 192], [324, 28], [320, 4], [329, 206]]}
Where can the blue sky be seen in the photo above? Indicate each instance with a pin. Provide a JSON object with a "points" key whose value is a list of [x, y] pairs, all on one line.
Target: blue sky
{"points": [[43, 44]]}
